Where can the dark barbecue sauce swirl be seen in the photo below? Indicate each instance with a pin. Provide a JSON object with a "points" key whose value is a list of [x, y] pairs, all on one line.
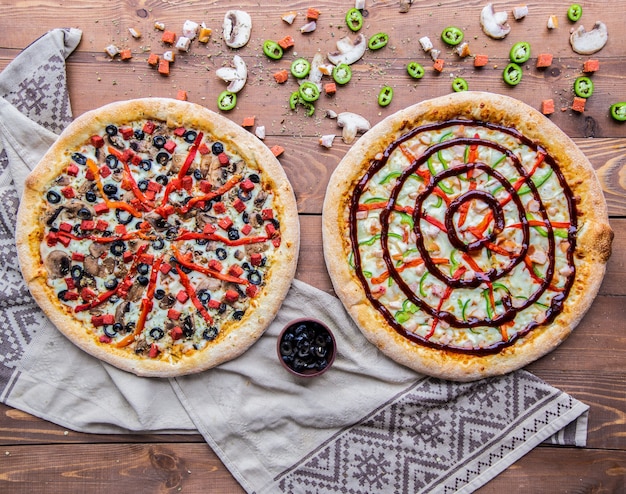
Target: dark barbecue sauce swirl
{"points": [[510, 311]]}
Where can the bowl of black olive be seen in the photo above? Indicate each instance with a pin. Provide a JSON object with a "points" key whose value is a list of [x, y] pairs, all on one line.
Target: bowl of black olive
{"points": [[306, 347]]}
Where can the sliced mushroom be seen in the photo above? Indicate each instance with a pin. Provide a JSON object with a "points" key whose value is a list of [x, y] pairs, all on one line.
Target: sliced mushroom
{"points": [[91, 266], [352, 125], [494, 23], [57, 264], [588, 42], [97, 249], [237, 27], [348, 50], [236, 76], [327, 140], [121, 311]]}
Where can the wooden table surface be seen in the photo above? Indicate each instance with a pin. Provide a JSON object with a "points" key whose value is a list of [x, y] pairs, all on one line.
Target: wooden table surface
{"points": [[38, 456]]}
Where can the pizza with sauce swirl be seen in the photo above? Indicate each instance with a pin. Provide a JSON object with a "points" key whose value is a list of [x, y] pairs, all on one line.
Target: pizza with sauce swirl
{"points": [[466, 235], [158, 236]]}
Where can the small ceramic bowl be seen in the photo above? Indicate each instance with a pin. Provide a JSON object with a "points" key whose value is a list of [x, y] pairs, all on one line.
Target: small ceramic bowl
{"points": [[306, 347]]}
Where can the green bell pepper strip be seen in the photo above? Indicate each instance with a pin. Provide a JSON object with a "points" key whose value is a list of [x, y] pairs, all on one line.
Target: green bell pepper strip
{"points": [[583, 87], [421, 284], [410, 307], [378, 41], [354, 19], [402, 316], [309, 91], [574, 12], [459, 84], [618, 111], [520, 52], [512, 74], [295, 99], [300, 68], [385, 96], [342, 73], [452, 35], [488, 306], [226, 100], [415, 70], [272, 50]]}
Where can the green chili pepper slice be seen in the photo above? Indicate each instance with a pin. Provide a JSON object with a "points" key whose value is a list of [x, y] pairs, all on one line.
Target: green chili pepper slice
{"points": [[512, 74], [354, 19], [342, 73], [293, 99], [583, 87], [415, 70], [300, 68], [459, 84], [309, 91], [226, 100], [452, 35], [574, 12], [272, 50], [378, 41], [520, 52], [385, 95], [618, 111]]}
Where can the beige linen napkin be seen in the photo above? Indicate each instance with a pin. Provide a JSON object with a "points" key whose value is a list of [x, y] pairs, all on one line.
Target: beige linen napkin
{"points": [[368, 425], [41, 372]]}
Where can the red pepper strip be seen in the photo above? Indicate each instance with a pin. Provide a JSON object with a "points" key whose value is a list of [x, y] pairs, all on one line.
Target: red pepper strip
{"points": [[440, 193], [172, 185], [128, 176], [457, 274], [110, 204], [382, 205], [503, 331], [209, 272], [472, 156], [468, 259], [219, 238], [499, 250], [234, 180], [146, 306], [410, 264], [555, 224], [184, 279], [425, 174], [190, 156], [529, 265], [435, 222]]}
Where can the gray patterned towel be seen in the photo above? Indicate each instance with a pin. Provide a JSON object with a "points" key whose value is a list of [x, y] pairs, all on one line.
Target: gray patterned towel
{"points": [[368, 425]]}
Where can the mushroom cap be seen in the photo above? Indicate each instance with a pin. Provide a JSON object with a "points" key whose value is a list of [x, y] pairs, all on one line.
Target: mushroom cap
{"points": [[58, 264], [237, 26], [588, 42], [352, 124], [236, 76], [494, 23], [349, 50]]}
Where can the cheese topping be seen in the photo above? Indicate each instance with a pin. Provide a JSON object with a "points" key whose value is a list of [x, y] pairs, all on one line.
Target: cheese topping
{"points": [[463, 236], [157, 238]]}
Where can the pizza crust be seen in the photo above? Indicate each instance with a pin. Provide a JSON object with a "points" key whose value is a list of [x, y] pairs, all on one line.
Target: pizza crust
{"points": [[592, 251], [235, 338]]}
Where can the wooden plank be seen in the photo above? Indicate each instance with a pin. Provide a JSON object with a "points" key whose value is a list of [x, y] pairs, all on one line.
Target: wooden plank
{"points": [[161, 468]]}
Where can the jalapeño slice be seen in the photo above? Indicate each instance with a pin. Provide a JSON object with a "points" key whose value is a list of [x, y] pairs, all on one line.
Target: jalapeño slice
{"points": [[415, 70], [342, 73], [618, 111], [520, 52], [354, 19], [452, 35], [378, 41], [583, 87], [300, 68], [226, 100]]}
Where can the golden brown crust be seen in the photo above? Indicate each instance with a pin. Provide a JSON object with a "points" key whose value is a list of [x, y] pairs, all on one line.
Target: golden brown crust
{"points": [[236, 338], [592, 251]]}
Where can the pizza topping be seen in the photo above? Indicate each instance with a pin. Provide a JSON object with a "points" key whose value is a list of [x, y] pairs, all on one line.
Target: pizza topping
{"points": [[618, 111], [378, 41], [494, 23], [464, 235], [452, 35], [588, 42], [133, 234]]}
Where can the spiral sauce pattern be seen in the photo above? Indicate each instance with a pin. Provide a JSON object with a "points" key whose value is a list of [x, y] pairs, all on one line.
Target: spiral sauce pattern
{"points": [[463, 235]]}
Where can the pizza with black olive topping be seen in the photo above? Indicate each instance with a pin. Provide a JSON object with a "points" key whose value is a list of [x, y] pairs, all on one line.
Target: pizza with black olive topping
{"points": [[158, 236]]}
